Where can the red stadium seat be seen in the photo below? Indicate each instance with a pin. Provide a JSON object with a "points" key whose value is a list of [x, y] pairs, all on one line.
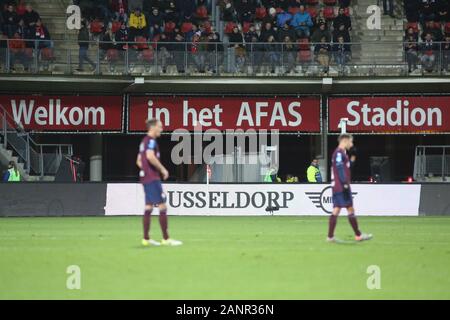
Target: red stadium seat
{"points": [[147, 55], [186, 27], [347, 11], [260, 13], [115, 26], [447, 28], [293, 10], [437, 25], [413, 25], [328, 13], [141, 43], [229, 27], [112, 55], [312, 12], [47, 54], [169, 27], [96, 27], [279, 10], [246, 27], [329, 2], [202, 12], [304, 56], [303, 44]]}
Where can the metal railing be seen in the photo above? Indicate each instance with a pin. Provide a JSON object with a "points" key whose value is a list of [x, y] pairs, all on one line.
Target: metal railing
{"points": [[38, 159], [432, 163], [221, 58]]}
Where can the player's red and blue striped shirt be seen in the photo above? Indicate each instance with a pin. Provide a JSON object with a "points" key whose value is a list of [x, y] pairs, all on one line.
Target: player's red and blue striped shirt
{"points": [[340, 170], [148, 172]]}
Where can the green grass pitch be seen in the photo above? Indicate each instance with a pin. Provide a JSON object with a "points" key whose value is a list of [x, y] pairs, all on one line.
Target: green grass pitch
{"points": [[224, 258]]}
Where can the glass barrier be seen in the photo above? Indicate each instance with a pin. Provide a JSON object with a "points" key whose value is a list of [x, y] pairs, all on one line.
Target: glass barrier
{"points": [[223, 59]]}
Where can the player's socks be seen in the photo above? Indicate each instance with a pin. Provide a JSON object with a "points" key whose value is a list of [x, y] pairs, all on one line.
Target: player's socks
{"points": [[331, 226], [164, 224], [354, 224], [146, 224]]}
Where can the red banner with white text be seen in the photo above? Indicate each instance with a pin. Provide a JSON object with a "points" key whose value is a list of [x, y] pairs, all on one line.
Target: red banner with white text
{"points": [[226, 113], [65, 113], [390, 114]]}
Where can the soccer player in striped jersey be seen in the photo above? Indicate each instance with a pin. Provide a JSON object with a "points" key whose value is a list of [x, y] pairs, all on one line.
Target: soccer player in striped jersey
{"points": [[342, 194], [151, 171]]}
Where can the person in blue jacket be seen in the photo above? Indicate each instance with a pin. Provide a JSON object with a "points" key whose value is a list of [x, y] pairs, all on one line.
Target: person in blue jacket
{"points": [[302, 23]]}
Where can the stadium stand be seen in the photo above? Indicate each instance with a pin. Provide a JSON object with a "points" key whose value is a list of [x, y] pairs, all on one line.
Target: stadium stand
{"points": [[259, 31]]}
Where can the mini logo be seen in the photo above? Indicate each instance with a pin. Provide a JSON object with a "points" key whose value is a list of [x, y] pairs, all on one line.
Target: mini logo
{"points": [[324, 200]]}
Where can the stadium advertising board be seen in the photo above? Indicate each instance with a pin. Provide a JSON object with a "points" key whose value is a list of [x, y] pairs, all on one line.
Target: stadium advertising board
{"points": [[226, 113], [65, 113], [390, 114], [259, 199]]}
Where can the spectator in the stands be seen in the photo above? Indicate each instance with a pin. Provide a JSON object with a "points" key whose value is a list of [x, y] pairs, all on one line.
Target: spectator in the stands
{"points": [[322, 52], [446, 53], [215, 51], [155, 23], [287, 31], [428, 49], [435, 31], [120, 9], [178, 53], [341, 32], [121, 37], [135, 4], [272, 53], [228, 11], [271, 17], [411, 32], [289, 54], [245, 10], [267, 32], [10, 20], [320, 32], [411, 51], [42, 35], [283, 18], [17, 51], [302, 22], [250, 33], [342, 19], [427, 11], [412, 8], [442, 10], [186, 8], [170, 13], [342, 53], [3, 48], [30, 17], [138, 24], [388, 7], [344, 3], [83, 43]]}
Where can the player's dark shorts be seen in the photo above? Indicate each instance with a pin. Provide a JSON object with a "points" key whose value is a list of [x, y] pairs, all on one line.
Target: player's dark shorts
{"points": [[342, 199], [154, 193]]}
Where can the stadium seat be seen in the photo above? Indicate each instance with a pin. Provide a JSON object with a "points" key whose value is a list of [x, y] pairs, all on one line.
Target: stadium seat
{"points": [[303, 44], [304, 56], [229, 27], [260, 13], [447, 28], [413, 25], [329, 2], [115, 26], [147, 55], [96, 27], [186, 27], [246, 27], [312, 2], [169, 26], [293, 10], [141, 43], [312, 12], [112, 55], [47, 54], [328, 13], [202, 12]]}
